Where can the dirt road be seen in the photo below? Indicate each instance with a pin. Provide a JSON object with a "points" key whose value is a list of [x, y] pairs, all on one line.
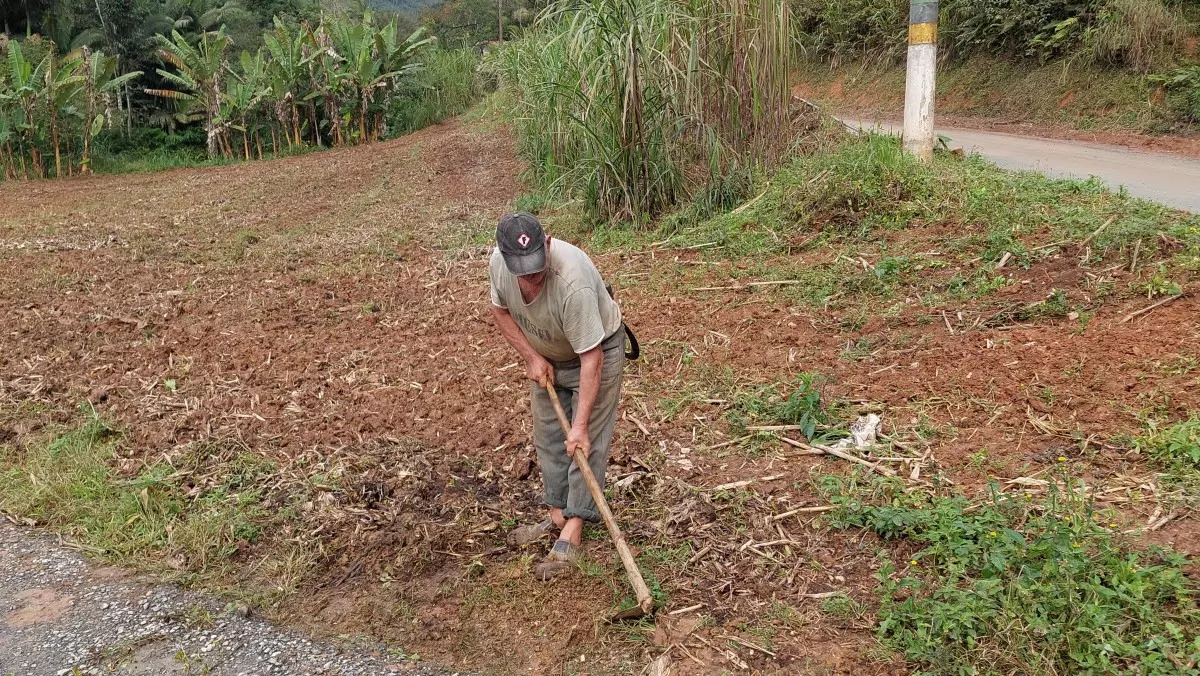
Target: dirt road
{"points": [[1169, 179], [61, 615]]}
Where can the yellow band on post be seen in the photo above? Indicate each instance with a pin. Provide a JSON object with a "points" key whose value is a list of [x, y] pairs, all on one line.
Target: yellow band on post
{"points": [[922, 33]]}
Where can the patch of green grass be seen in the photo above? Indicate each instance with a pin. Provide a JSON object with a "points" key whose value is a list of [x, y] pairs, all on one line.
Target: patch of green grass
{"points": [[184, 519], [1013, 585], [842, 608], [1176, 449], [1055, 305], [1178, 365], [859, 350]]}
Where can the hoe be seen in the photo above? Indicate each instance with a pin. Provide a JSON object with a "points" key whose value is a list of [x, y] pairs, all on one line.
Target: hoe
{"points": [[645, 604]]}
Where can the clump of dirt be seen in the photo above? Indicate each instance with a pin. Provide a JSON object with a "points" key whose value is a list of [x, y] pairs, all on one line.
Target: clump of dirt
{"points": [[38, 606]]}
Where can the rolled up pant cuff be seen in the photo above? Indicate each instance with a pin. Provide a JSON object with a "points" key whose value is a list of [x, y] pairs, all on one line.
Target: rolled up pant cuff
{"points": [[585, 514]]}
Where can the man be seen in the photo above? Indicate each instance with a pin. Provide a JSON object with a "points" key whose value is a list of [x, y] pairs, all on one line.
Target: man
{"points": [[552, 306]]}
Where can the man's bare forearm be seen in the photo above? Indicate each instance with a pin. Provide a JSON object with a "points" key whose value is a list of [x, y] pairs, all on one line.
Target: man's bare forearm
{"points": [[591, 364], [512, 333]]}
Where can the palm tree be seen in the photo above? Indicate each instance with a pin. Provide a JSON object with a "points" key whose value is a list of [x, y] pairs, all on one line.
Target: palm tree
{"points": [[198, 78]]}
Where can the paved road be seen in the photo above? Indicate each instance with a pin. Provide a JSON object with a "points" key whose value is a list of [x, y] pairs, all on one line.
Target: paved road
{"points": [[61, 615], [1169, 179]]}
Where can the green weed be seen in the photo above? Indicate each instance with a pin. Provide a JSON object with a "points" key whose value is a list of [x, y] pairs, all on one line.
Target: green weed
{"points": [[1160, 284], [1013, 585], [798, 403], [1176, 449]]}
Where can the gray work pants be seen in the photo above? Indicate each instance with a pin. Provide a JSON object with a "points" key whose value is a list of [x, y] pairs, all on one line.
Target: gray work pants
{"points": [[564, 485]]}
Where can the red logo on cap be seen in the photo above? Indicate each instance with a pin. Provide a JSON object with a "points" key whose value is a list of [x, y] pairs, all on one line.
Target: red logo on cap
{"points": [[523, 240]]}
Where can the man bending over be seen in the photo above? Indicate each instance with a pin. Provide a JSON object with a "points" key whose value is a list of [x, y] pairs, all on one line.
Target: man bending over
{"points": [[552, 306]]}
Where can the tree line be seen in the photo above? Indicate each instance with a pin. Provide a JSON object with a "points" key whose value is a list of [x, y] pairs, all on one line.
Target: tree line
{"points": [[310, 79]]}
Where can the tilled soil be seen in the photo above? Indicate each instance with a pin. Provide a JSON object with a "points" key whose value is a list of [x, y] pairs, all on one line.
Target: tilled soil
{"points": [[61, 615], [330, 311]]}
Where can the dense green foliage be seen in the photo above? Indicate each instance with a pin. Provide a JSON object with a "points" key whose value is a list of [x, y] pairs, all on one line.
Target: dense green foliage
{"points": [[1184, 85], [445, 86], [331, 80], [1021, 583], [52, 106], [1141, 34], [632, 105]]}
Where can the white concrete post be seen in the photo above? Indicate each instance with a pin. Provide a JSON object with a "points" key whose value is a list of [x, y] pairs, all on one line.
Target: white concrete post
{"points": [[921, 79]]}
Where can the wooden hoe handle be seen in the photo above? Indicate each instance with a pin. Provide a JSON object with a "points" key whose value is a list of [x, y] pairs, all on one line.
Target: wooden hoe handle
{"points": [[644, 600]]}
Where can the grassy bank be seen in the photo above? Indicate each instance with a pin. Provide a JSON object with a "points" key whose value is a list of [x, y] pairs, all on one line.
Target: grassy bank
{"points": [[857, 219], [1067, 95], [213, 515]]}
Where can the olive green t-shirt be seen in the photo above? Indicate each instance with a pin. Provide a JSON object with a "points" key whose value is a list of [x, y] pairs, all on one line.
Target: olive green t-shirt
{"points": [[572, 314]]}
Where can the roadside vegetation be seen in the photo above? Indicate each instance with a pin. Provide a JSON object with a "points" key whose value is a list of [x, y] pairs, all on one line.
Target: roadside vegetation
{"points": [[1020, 581], [197, 517], [634, 106], [1099, 64]]}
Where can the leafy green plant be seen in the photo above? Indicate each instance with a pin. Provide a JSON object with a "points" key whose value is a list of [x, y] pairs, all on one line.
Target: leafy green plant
{"points": [[798, 403], [1160, 284], [1017, 585], [1184, 86], [1176, 446]]}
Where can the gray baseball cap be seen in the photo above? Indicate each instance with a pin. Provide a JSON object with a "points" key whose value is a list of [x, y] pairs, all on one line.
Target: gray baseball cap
{"points": [[522, 243]]}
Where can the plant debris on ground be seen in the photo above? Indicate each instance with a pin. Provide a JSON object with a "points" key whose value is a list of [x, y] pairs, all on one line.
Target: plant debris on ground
{"points": [[278, 380]]}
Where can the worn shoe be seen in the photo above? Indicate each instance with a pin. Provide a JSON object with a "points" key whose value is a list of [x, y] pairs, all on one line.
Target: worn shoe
{"points": [[526, 535], [562, 559]]}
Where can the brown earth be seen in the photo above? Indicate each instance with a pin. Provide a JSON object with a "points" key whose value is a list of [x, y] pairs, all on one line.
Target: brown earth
{"points": [[329, 312], [38, 606]]}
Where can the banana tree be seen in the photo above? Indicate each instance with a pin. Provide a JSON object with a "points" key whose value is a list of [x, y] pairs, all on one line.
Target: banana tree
{"points": [[198, 77], [289, 68], [26, 84], [6, 136], [63, 86], [100, 83], [397, 55], [245, 92], [328, 80], [364, 70]]}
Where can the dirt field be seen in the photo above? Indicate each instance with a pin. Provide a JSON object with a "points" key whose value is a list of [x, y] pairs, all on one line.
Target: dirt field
{"points": [[329, 312]]}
